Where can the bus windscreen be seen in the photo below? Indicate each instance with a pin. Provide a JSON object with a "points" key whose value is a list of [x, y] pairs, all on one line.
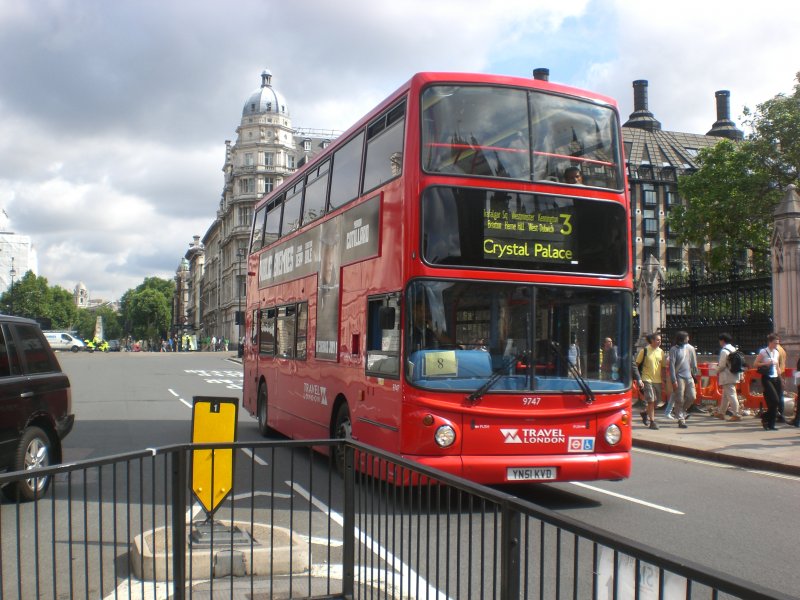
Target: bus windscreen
{"points": [[509, 133], [472, 227]]}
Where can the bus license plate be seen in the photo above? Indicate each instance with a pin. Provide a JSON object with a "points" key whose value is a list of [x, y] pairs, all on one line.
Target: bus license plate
{"points": [[530, 473]]}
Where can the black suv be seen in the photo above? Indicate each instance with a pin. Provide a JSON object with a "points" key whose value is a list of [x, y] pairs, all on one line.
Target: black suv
{"points": [[35, 405]]}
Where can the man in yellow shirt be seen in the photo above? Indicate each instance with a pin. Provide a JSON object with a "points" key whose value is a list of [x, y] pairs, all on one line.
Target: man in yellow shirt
{"points": [[650, 361]]}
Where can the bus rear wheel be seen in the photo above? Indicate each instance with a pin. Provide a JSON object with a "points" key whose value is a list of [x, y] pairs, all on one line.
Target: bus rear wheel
{"points": [[261, 411], [342, 430]]}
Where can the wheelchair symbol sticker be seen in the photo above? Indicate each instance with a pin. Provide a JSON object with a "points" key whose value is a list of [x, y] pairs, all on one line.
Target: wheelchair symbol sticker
{"points": [[580, 444]]}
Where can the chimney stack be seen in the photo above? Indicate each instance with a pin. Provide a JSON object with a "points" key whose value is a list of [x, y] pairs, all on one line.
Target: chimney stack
{"points": [[641, 117], [724, 126], [541, 74]]}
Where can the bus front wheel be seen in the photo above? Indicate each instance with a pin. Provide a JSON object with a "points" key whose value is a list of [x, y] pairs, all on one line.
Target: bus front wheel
{"points": [[342, 430], [263, 428]]}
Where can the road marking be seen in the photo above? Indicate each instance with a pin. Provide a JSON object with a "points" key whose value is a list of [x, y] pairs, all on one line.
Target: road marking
{"points": [[776, 475], [718, 465], [404, 577], [146, 590], [699, 461], [255, 457], [178, 396], [628, 498]]}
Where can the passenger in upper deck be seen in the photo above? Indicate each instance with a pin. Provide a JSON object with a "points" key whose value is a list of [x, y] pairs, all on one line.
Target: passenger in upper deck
{"points": [[573, 175]]}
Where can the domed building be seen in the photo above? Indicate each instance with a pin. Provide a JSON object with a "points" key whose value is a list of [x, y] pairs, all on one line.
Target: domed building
{"points": [[267, 149]]}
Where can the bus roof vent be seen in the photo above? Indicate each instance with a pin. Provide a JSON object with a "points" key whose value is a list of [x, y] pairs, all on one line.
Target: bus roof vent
{"points": [[541, 74]]}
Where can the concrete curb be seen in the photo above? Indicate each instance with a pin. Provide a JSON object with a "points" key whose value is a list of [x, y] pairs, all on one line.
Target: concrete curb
{"points": [[276, 551], [729, 459]]}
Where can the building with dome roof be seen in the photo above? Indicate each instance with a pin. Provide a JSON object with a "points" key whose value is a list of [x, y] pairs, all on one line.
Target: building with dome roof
{"points": [[268, 148]]}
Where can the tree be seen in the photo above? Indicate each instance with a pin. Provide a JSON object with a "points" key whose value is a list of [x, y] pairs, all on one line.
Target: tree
{"points": [[776, 135], [32, 297], [731, 197], [149, 313], [729, 204], [87, 321], [131, 321]]}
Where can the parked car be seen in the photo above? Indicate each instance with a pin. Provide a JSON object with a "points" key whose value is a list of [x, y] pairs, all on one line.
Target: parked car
{"points": [[35, 405], [61, 340], [114, 346]]}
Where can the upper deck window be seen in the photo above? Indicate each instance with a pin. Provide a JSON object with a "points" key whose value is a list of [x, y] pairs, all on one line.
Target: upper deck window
{"points": [[518, 134]]}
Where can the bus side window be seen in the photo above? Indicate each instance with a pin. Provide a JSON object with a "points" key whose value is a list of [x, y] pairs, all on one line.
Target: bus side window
{"points": [[272, 227], [345, 172], [383, 336], [267, 340], [384, 148], [302, 331], [257, 235]]}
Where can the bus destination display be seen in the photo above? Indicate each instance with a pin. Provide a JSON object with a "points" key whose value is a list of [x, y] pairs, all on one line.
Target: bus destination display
{"points": [[501, 229], [540, 236]]}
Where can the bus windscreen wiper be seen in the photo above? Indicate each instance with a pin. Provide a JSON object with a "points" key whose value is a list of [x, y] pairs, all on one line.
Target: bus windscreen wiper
{"points": [[573, 370], [494, 378]]}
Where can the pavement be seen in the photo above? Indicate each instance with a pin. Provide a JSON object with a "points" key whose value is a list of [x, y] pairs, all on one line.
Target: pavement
{"points": [[742, 443]]}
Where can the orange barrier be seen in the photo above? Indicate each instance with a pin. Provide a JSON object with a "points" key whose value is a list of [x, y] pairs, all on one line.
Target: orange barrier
{"points": [[751, 399], [707, 387], [744, 389]]}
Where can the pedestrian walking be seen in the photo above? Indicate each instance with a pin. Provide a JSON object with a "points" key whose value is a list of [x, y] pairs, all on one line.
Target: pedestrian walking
{"points": [[781, 369], [728, 375], [682, 370], [796, 421], [767, 365], [650, 361]]}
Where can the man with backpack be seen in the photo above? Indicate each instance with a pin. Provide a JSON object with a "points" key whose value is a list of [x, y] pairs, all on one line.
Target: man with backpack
{"points": [[730, 370]]}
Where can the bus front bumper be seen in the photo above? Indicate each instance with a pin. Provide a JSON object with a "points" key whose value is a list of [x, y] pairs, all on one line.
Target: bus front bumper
{"points": [[532, 469]]}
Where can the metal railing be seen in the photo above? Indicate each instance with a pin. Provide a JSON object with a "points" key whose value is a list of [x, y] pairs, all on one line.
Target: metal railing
{"points": [[126, 526]]}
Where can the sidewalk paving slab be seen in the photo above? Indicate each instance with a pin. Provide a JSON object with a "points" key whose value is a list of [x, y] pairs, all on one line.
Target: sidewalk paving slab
{"points": [[742, 443]]}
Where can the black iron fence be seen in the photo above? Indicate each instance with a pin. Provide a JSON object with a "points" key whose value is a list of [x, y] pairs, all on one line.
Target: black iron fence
{"points": [[126, 527], [706, 304]]}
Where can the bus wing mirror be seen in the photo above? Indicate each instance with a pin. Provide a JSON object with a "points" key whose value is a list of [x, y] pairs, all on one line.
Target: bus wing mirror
{"points": [[387, 317]]}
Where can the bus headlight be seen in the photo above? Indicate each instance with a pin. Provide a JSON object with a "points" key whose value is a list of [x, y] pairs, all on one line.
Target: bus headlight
{"points": [[613, 435], [445, 436]]}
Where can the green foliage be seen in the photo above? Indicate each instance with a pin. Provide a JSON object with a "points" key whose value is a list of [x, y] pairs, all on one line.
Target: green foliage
{"points": [[87, 320], [776, 135], [729, 204], [731, 197], [136, 319], [149, 312], [144, 311], [32, 297]]}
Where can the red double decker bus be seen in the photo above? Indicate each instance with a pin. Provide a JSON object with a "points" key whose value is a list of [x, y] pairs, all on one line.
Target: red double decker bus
{"points": [[450, 280]]}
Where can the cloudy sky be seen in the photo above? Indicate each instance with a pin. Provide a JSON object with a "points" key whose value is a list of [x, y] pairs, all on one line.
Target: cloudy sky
{"points": [[114, 114]]}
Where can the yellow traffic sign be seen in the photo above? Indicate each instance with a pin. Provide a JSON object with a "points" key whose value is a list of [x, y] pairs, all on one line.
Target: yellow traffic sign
{"points": [[213, 421]]}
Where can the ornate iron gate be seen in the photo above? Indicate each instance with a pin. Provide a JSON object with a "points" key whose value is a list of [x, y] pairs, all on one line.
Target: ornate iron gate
{"points": [[706, 304]]}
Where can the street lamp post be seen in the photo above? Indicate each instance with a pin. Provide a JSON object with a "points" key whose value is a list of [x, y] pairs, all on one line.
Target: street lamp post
{"points": [[239, 317], [13, 274]]}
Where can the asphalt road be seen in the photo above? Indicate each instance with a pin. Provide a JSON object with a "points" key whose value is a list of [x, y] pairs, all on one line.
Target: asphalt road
{"points": [[127, 401], [733, 520]]}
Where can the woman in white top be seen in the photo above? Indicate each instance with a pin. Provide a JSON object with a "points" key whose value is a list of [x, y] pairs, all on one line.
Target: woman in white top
{"points": [[770, 381]]}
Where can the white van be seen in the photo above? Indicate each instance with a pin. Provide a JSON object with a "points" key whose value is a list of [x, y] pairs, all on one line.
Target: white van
{"points": [[60, 340]]}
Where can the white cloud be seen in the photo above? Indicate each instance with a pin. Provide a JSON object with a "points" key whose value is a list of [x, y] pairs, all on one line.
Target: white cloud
{"points": [[114, 114]]}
